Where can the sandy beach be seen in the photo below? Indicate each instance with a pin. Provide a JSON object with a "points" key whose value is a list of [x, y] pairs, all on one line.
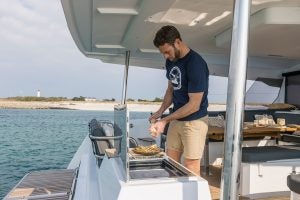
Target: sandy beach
{"points": [[81, 105]]}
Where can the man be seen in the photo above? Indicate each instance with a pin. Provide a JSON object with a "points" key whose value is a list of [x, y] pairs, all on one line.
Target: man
{"points": [[187, 89]]}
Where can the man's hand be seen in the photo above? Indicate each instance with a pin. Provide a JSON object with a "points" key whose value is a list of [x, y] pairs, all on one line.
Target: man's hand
{"points": [[165, 104], [157, 128], [155, 116]]}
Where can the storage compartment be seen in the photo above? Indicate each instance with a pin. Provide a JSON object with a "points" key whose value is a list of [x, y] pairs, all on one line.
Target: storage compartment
{"points": [[262, 166]]}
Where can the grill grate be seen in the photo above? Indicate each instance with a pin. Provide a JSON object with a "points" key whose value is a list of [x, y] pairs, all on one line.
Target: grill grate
{"points": [[46, 185], [134, 156]]}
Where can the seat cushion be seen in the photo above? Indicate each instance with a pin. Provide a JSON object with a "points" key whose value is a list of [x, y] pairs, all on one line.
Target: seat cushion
{"points": [[269, 153], [293, 182]]}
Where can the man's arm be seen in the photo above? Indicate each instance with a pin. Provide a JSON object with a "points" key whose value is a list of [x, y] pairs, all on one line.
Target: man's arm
{"points": [[189, 108], [192, 106], [165, 104]]}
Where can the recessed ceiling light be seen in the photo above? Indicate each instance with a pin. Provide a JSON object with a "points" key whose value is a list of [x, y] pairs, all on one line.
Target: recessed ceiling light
{"points": [[121, 11], [218, 18], [258, 2], [109, 46], [198, 19], [149, 50]]}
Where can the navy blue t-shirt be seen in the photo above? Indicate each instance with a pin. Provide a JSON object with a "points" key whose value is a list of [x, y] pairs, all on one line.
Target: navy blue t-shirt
{"points": [[189, 75]]}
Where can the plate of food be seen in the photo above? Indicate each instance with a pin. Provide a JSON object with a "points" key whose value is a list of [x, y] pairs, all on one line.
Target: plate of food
{"points": [[147, 150]]}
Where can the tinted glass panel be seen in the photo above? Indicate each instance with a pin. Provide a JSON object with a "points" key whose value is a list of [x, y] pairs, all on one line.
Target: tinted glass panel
{"points": [[263, 90], [293, 90]]}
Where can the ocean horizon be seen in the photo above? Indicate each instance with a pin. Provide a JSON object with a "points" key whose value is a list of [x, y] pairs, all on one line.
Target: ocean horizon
{"points": [[42, 139]]}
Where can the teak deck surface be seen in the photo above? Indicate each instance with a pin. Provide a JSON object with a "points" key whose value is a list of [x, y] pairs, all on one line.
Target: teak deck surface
{"points": [[214, 180]]}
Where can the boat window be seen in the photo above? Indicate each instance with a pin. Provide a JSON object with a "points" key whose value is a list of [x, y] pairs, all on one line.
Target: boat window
{"points": [[263, 91], [292, 89]]}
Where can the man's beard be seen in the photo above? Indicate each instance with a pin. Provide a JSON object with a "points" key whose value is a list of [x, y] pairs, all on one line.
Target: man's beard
{"points": [[176, 54]]}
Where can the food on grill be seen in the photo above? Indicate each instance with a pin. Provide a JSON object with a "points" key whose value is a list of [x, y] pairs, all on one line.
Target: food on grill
{"points": [[147, 150]]}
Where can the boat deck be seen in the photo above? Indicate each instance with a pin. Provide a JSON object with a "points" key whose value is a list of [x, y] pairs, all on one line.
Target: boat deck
{"points": [[214, 180]]}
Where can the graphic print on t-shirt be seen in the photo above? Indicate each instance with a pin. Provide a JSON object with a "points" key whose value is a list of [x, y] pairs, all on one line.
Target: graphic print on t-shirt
{"points": [[175, 77]]}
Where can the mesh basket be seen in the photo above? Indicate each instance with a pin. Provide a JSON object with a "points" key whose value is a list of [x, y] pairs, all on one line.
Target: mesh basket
{"points": [[216, 121]]}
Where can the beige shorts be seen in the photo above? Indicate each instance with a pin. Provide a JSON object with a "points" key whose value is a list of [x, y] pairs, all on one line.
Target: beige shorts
{"points": [[188, 137]]}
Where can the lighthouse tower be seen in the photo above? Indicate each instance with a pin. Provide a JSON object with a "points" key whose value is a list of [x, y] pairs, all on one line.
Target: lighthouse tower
{"points": [[38, 94]]}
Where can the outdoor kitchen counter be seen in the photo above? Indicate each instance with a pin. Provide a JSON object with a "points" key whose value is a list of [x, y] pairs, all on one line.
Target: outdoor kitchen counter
{"points": [[249, 131]]}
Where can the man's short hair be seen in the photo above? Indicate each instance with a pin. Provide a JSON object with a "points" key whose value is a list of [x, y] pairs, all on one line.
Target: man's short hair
{"points": [[166, 34]]}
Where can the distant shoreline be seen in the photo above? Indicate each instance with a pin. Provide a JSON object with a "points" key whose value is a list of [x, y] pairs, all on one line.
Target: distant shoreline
{"points": [[76, 105], [85, 105]]}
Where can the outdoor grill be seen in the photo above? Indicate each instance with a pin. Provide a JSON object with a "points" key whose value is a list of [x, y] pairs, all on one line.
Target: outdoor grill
{"points": [[136, 173], [106, 135]]}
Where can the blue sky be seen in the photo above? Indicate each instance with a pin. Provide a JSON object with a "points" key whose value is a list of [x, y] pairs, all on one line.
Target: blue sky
{"points": [[37, 53]]}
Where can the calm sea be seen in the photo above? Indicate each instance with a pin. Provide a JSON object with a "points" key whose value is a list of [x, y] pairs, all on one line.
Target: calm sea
{"points": [[42, 139]]}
